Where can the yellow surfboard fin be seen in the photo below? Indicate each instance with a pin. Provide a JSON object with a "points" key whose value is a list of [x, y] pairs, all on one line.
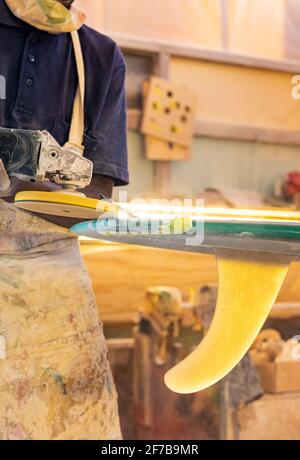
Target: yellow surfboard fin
{"points": [[249, 283]]}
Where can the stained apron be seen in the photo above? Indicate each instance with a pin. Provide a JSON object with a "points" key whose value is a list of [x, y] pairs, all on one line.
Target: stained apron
{"points": [[55, 380]]}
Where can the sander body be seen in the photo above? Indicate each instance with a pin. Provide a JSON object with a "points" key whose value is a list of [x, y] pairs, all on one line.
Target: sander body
{"points": [[36, 157]]}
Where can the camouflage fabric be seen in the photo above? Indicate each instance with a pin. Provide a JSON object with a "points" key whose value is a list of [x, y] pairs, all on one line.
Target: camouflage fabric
{"points": [[55, 380], [48, 15]]}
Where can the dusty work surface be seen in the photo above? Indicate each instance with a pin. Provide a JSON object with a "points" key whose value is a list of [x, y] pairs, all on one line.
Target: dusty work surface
{"points": [[55, 381]]}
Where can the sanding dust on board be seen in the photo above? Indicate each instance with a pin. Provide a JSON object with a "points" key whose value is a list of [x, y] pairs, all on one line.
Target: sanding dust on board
{"points": [[249, 283]]}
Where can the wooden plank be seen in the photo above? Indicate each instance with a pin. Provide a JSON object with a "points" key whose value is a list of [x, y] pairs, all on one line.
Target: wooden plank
{"points": [[248, 133], [225, 131], [120, 344], [283, 310], [150, 46], [139, 69], [162, 177], [162, 169], [162, 65], [134, 119]]}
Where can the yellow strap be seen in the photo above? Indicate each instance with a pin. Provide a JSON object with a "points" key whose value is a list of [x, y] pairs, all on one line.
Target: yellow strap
{"points": [[77, 124]]}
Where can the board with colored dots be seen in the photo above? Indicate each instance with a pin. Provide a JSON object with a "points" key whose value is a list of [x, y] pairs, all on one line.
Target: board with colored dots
{"points": [[169, 113], [159, 149]]}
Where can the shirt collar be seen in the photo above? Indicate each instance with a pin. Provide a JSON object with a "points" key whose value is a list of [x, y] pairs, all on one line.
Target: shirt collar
{"points": [[8, 19]]}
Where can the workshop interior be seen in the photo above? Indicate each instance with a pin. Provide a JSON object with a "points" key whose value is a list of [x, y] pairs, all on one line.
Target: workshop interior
{"points": [[165, 305]]}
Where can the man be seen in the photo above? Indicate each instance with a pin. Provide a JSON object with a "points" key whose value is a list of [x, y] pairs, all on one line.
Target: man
{"points": [[55, 382]]}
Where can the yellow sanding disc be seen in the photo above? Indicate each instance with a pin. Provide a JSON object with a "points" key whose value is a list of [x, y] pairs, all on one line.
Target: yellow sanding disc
{"points": [[63, 204]]}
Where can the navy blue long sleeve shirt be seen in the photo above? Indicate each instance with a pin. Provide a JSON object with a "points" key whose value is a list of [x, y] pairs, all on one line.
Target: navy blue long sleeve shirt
{"points": [[40, 78]]}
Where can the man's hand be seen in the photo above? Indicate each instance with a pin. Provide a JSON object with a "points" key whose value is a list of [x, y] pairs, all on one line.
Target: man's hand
{"points": [[100, 185]]}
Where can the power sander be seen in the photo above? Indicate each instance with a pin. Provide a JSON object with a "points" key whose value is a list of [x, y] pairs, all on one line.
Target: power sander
{"points": [[35, 156]]}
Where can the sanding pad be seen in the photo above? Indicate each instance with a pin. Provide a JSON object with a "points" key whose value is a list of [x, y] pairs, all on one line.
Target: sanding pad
{"points": [[63, 205]]}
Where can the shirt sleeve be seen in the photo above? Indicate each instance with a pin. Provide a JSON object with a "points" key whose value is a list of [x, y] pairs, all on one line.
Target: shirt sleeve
{"points": [[110, 155]]}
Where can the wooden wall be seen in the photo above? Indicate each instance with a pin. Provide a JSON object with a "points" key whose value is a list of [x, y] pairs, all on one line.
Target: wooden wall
{"points": [[256, 27], [239, 96], [215, 163]]}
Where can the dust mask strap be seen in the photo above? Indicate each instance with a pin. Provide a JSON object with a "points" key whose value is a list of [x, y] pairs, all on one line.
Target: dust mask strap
{"points": [[53, 17], [75, 141]]}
